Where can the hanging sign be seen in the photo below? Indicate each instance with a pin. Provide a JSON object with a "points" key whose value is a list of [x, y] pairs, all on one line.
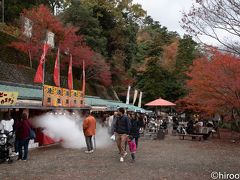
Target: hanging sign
{"points": [[61, 97], [8, 98]]}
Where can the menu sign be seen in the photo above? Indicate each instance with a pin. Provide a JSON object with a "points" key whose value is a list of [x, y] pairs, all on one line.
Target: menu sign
{"points": [[61, 97]]}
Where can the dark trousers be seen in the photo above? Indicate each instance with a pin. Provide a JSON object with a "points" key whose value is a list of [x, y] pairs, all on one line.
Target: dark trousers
{"points": [[133, 156], [16, 145], [136, 141], [89, 142], [23, 144]]}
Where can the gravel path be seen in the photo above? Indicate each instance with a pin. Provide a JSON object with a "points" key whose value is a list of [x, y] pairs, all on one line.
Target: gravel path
{"points": [[166, 159]]}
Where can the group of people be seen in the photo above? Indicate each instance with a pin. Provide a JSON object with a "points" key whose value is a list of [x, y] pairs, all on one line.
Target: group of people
{"points": [[122, 130], [126, 129], [124, 126], [21, 127], [194, 127]]}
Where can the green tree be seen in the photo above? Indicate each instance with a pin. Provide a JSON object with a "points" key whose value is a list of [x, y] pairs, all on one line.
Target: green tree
{"points": [[157, 82], [116, 24], [187, 51], [154, 77], [89, 26], [13, 8]]}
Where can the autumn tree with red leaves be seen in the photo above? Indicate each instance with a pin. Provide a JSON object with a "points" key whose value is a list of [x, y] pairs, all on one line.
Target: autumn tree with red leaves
{"points": [[65, 38], [100, 70], [214, 85]]}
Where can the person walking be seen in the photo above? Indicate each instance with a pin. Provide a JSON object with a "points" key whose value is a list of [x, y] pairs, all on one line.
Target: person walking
{"points": [[136, 124], [132, 147], [89, 130], [23, 136], [112, 123], [122, 130]]}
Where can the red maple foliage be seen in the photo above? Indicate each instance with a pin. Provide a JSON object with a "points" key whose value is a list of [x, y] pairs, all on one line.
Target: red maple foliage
{"points": [[65, 38], [100, 70], [214, 84]]}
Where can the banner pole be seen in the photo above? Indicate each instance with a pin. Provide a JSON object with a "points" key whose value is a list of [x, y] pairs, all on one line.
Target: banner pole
{"points": [[43, 74], [59, 70]]}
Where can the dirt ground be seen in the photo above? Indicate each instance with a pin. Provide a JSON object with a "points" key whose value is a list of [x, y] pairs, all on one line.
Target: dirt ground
{"points": [[170, 158]]}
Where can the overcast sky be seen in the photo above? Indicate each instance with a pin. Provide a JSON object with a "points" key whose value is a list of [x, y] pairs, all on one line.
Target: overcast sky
{"points": [[169, 13]]}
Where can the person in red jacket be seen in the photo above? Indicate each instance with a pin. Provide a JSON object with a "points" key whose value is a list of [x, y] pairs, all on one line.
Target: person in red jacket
{"points": [[22, 135], [89, 130]]}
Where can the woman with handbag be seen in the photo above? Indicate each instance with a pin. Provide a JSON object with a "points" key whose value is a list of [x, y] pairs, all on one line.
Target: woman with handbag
{"points": [[23, 129]]}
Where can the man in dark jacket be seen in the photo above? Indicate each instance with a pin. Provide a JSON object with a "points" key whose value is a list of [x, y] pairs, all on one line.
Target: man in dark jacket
{"points": [[22, 135], [122, 130]]}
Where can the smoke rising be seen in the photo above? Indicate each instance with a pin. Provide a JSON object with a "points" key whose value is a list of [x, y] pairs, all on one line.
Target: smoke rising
{"points": [[68, 128]]}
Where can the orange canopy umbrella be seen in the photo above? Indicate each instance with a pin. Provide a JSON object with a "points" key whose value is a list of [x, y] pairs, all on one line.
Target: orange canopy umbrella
{"points": [[160, 102]]}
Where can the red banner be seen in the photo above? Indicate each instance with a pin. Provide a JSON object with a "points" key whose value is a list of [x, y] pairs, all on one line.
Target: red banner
{"points": [[39, 74], [70, 77], [56, 73]]}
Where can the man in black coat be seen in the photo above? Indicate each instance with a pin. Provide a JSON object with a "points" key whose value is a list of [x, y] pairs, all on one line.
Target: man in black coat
{"points": [[122, 130]]}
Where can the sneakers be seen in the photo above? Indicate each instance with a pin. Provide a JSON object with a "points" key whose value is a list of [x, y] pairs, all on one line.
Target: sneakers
{"points": [[121, 159], [14, 154], [89, 152], [125, 154]]}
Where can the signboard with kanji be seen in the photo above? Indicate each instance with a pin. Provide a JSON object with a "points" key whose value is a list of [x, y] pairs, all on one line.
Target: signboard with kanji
{"points": [[61, 97], [8, 98]]}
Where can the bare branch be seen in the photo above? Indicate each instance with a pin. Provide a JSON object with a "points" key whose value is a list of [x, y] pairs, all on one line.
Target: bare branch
{"points": [[212, 16]]}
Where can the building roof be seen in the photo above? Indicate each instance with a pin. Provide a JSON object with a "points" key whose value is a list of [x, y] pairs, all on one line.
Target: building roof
{"points": [[33, 92], [110, 105], [27, 92]]}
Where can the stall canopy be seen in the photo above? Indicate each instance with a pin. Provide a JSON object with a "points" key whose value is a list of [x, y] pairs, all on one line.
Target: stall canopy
{"points": [[160, 102], [99, 104]]}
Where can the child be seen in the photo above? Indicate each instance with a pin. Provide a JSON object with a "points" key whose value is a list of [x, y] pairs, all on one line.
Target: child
{"points": [[132, 147]]}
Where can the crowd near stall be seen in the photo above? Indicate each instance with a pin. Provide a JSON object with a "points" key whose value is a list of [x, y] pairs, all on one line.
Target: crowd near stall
{"points": [[21, 104], [19, 101]]}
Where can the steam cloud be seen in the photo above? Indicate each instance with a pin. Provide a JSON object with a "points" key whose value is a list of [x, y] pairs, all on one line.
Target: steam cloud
{"points": [[68, 128]]}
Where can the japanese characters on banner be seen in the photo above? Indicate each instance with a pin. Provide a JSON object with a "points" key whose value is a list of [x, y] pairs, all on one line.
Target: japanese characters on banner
{"points": [[61, 97], [8, 98]]}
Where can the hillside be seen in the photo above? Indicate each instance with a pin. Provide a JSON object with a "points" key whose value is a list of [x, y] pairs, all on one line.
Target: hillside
{"points": [[15, 68], [116, 49]]}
